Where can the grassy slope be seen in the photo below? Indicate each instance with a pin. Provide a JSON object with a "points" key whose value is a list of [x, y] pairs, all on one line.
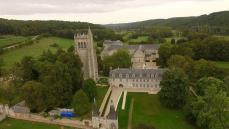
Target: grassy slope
{"points": [[6, 40], [36, 49], [21, 124], [148, 110], [101, 94]]}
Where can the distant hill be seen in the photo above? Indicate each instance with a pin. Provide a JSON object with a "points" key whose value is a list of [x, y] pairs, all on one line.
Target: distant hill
{"points": [[64, 29], [214, 20]]}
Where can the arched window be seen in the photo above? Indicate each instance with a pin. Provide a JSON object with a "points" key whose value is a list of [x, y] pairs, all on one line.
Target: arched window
{"points": [[84, 44], [78, 45], [81, 44]]}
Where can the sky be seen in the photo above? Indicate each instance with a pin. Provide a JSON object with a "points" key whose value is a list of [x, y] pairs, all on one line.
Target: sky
{"points": [[107, 11]]}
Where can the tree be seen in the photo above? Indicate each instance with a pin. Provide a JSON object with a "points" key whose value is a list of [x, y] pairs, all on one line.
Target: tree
{"points": [[226, 81], [203, 68], [178, 61], [205, 82], [89, 87], [120, 59], [173, 41], [209, 107], [164, 52], [81, 103], [34, 94], [174, 88]]}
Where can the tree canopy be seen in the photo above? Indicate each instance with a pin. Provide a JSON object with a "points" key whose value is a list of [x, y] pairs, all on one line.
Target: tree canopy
{"points": [[174, 88], [120, 59]]}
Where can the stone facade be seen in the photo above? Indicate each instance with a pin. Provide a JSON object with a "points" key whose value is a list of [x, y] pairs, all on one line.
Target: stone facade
{"points": [[147, 79], [143, 56], [107, 122], [84, 47]]}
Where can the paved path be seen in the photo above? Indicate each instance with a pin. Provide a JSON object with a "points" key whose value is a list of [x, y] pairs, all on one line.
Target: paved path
{"points": [[115, 97]]}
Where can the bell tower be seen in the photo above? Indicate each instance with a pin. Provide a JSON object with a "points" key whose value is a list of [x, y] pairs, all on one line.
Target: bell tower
{"points": [[84, 47]]}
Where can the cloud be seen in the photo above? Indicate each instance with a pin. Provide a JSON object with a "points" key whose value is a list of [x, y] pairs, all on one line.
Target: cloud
{"points": [[25, 7]]}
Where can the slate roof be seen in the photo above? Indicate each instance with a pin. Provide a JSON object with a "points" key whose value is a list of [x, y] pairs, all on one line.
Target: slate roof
{"points": [[113, 47], [21, 108], [117, 42], [136, 73]]}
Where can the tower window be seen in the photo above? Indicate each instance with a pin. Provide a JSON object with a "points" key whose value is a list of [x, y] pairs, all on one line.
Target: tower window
{"points": [[84, 44]]}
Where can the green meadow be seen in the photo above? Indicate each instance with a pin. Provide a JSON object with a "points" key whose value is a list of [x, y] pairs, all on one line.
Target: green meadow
{"points": [[10, 123], [7, 40], [34, 50]]}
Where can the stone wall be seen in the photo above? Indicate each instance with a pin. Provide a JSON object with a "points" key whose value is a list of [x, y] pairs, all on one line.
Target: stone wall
{"points": [[5, 110]]}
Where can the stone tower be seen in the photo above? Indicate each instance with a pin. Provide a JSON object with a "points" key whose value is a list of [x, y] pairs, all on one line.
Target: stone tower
{"points": [[84, 47]]}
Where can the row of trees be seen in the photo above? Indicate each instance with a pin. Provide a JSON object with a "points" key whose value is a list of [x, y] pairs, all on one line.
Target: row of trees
{"points": [[198, 87]]}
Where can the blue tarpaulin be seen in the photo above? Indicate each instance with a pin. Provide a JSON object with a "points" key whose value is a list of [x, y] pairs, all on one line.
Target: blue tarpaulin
{"points": [[68, 114]]}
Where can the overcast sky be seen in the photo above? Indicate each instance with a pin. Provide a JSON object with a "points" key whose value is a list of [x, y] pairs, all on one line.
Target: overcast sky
{"points": [[107, 11]]}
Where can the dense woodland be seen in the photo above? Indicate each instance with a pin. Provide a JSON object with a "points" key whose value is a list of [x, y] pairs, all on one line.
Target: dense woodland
{"points": [[53, 28], [215, 23]]}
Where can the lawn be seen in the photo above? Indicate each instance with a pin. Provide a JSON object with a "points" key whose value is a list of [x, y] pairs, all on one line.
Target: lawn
{"points": [[7, 40], [101, 92], [34, 50], [139, 39], [148, 110], [10, 123], [222, 64]]}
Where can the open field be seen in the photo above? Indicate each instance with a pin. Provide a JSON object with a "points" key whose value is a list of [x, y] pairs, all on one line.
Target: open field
{"points": [[10, 123], [7, 40], [34, 50], [139, 39], [148, 110]]}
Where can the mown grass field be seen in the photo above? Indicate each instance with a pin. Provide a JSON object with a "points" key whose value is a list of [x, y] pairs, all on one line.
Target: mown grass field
{"points": [[10, 123], [34, 50], [148, 110], [7, 40]]}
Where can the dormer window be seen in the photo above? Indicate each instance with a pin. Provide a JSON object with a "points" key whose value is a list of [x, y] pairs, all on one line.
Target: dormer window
{"points": [[133, 75], [127, 75]]}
